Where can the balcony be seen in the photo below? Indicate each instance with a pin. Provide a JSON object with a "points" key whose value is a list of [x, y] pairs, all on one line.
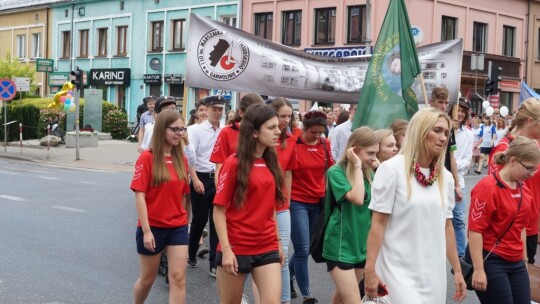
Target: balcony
{"points": [[510, 66]]}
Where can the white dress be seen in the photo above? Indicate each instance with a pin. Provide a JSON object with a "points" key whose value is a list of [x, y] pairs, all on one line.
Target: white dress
{"points": [[412, 259]]}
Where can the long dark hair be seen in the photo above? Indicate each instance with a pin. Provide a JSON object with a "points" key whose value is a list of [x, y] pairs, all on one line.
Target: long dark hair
{"points": [[276, 105], [254, 117], [245, 102]]}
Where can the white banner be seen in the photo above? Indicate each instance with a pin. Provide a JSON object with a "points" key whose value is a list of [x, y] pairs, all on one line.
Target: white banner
{"points": [[226, 58]]}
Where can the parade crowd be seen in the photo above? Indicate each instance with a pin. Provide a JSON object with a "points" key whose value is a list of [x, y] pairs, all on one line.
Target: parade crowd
{"points": [[389, 204]]}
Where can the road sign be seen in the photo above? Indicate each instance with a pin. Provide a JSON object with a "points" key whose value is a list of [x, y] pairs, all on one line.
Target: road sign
{"points": [[22, 83], [7, 89], [44, 65]]}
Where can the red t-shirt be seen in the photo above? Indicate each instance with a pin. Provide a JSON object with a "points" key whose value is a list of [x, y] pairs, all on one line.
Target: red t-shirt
{"points": [[493, 206], [308, 184], [252, 229], [164, 202], [288, 162], [533, 183], [226, 143]]}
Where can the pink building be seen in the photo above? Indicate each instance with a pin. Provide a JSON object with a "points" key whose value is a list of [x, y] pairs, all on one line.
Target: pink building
{"points": [[495, 28]]}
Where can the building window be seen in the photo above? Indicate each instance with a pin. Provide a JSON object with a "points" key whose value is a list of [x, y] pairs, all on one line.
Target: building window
{"points": [[36, 45], [325, 25], [357, 24], [21, 46], [479, 37], [66, 13], [121, 5], [509, 40], [66, 44], [102, 42], [292, 28], [229, 20], [178, 35], [263, 25], [157, 36], [448, 28], [83, 43], [121, 41], [506, 99]]}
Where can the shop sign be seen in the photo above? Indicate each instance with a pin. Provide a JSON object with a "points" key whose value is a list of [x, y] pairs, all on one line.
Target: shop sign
{"points": [[152, 78], [173, 78], [58, 79], [509, 84], [110, 77]]}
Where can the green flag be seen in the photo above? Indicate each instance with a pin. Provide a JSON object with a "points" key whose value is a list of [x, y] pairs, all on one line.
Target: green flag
{"points": [[387, 94]]}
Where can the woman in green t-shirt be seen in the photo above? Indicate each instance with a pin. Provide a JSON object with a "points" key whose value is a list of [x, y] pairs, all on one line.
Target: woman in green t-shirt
{"points": [[347, 200]]}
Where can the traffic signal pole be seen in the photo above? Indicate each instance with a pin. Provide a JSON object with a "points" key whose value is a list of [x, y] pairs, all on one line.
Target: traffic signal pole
{"points": [[78, 82]]}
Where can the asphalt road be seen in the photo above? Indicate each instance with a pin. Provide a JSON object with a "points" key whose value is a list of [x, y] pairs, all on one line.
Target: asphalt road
{"points": [[68, 236]]}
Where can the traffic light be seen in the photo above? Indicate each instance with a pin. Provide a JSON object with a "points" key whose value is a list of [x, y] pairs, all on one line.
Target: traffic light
{"points": [[495, 77], [78, 81], [489, 87]]}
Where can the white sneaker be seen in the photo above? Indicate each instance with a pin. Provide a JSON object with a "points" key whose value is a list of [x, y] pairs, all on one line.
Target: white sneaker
{"points": [[244, 299]]}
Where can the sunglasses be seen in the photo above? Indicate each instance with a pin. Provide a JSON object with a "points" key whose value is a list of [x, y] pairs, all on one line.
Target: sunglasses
{"points": [[177, 130], [530, 169]]}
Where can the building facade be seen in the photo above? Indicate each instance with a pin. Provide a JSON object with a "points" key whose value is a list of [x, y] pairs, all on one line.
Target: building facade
{"points": [[330, 28], [532, 75]]}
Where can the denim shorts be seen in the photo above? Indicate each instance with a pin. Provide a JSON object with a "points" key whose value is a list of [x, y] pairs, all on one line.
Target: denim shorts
{"points": [[246, 263], [163, 237]]}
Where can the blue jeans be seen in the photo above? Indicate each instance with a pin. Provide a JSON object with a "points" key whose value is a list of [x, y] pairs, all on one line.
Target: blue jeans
{"points": [[507, 282], [304, 217], [284, 226], [459, 224]]}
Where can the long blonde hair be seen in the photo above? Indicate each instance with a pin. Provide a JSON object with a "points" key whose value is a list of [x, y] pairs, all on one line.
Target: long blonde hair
{"points": [[414, 145], [530, 108], [160, 173], [361, 138]]}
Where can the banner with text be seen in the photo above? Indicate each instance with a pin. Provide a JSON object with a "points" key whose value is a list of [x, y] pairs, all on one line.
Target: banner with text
{"points": [[227, 58]]}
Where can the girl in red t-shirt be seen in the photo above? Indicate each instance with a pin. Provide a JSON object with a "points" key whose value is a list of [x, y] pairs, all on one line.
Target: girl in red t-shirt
{"points": [[308, 187], [160, 184], [499, 212], [249, 190]]}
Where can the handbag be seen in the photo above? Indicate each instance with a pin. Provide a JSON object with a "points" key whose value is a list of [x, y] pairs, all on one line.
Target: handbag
{"points": [[465, 262], [317, 239]]}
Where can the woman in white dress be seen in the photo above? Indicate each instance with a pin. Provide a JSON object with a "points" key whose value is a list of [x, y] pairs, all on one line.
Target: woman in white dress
{"points": [[411, 230]]}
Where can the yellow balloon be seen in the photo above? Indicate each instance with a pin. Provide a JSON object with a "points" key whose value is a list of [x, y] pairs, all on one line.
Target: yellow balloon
{"points": [[68, 86]]}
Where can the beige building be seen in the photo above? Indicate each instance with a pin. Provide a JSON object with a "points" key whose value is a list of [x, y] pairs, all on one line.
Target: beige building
{"points": [[532, 74], [24, 34]]}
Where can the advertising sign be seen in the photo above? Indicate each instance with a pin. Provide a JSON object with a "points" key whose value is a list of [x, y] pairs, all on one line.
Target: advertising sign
{"points": [[58, 79], [110, 77], [152, 78], [22, 83], [44, 65]]}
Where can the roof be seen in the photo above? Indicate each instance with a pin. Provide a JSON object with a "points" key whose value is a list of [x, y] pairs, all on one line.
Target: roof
{"points": [[25, 4]]}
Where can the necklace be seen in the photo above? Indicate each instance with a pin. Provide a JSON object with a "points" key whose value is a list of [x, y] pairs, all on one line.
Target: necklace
{"points": [[421, 178]]}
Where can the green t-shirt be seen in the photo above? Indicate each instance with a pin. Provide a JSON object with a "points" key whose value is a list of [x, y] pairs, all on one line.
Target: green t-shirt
{"points": [[345, 238]]}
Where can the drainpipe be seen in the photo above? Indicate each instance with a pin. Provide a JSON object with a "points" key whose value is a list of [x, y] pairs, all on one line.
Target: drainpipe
{"points": [[72, 35], [527, 44], [46, 50], [368, 27]]}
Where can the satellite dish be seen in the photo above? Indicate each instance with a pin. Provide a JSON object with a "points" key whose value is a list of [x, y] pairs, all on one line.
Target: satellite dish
{"points": [[155, 64]]}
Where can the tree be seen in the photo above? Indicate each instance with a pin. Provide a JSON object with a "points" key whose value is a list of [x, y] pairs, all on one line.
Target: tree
{"points": [[10, 68]]}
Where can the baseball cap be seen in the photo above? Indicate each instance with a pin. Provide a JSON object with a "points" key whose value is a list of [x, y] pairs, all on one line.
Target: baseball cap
{"points": [[215, 101], [162, 101]]}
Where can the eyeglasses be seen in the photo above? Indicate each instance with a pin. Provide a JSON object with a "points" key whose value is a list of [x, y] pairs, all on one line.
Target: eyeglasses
{"points": [[530, 169], [177, 130]]}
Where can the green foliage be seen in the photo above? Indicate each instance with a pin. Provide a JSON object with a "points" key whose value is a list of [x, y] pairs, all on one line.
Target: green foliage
{"points": [[25, 114], [11, 67], [105, 109], [116, 121], [47, 116]]}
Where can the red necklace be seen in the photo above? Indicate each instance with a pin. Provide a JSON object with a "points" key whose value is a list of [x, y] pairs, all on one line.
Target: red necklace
{"points": [[421, 178]]}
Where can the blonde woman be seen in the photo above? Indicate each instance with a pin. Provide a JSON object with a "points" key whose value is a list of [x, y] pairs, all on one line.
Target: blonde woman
{"points": [[348, 215], [412, 198], [387, 144]]}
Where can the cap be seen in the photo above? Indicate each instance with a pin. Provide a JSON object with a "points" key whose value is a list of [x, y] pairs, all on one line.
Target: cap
{"points": [[464, 103], [215, 101], [162, 101]]}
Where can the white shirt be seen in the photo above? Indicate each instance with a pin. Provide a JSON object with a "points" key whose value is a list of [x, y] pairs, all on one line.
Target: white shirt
{"points": [[463, 154], [340, 136], [202, 138], [147, 139]]}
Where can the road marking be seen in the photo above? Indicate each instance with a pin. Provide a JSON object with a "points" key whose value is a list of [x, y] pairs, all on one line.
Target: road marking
{"points": [[12, 198], [9, 172], [48, 177], [68, 209], [90, 183]]}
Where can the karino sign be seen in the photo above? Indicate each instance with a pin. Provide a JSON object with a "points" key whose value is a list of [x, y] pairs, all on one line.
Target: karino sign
{"points": [[110, 77]]}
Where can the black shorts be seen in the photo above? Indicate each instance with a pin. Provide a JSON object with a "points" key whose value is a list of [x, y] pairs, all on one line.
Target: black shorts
{"points": [[247, 262], [486, 150], [163, 237], [344, 266]]}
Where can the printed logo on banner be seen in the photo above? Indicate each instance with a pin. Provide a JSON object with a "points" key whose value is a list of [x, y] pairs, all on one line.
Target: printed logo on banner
{"points": [[222, 56]]}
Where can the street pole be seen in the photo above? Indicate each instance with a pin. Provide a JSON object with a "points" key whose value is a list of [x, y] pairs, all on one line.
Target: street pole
{"points": [[5, 125], [77, 156], [368, 27], [71, 36]]}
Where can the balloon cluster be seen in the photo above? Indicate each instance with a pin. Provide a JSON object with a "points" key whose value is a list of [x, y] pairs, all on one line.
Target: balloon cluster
{"points": [[64, 98], [503, 111], [68, 102]]}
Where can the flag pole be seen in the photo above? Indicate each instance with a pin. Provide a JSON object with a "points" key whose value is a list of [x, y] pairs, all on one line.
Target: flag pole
{"points": [[423, 85]]}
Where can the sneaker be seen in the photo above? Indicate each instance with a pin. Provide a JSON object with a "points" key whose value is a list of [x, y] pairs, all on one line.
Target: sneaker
{"points": [[192, 263], [310, 301], [294, 295], [212, 272], [203, 250], [477, 172], [244, 299]]}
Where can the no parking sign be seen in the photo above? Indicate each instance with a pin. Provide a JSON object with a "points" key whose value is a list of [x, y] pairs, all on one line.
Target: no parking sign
{"points": [[7, 89]]}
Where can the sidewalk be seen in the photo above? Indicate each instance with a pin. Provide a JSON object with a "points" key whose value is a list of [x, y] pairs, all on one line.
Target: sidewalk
{"points": [[109, 155]]}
